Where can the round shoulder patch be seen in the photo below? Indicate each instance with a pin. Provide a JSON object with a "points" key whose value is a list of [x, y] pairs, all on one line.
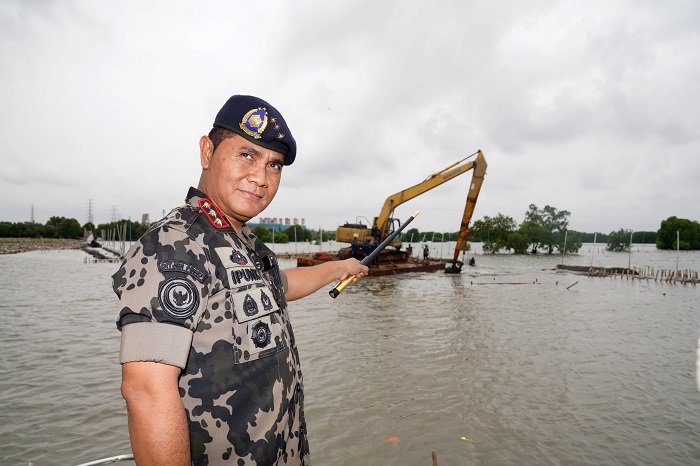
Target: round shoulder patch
{"points": [[178, 297]]}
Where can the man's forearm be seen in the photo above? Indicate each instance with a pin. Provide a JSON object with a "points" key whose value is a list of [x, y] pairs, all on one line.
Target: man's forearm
{"points": [[159, 434], [157, 421], [302, 281]]}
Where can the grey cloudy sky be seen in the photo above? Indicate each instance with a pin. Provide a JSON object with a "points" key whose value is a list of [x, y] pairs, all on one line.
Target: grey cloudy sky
{"points": [[588, 106]]}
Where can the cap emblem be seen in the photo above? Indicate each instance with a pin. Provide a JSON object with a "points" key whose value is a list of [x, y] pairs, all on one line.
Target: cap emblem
{"points": [[254, 122]]}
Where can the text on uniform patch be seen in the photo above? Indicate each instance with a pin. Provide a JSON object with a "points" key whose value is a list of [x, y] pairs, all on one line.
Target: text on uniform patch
{"points": [[247, 275]]}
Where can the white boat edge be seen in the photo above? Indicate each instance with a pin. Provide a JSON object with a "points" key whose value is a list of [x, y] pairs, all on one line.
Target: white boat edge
{"points": [[111, 459]]}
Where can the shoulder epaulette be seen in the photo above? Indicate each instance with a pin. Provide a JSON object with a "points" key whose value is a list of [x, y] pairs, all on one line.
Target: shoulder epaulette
{"points": [[213, 213]]}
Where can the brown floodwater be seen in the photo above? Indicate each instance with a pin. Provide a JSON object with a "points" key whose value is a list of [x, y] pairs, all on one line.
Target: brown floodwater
{"points": [[511, 362]]}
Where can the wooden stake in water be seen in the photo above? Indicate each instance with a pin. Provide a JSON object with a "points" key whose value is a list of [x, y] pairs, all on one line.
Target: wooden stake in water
{"points": [[629, 261], [563, 253], [678, 246]]}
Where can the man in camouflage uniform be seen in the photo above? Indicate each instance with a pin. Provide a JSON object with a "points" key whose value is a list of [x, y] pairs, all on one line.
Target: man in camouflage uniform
{"points": [[210, 369]]}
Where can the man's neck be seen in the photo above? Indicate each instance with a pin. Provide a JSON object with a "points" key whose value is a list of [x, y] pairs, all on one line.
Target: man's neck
{"points": [[237, 225]]}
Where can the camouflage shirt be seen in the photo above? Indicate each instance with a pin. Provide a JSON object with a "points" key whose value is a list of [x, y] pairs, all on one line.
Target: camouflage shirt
{"points": [[195, 295]]}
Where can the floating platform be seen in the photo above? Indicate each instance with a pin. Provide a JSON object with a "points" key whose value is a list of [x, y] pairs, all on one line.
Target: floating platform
{"points": [[384, 268], [412, 265], [596, 270]]}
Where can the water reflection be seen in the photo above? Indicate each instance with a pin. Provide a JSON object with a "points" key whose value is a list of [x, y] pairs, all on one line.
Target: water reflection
{"points": [[395, 367]]}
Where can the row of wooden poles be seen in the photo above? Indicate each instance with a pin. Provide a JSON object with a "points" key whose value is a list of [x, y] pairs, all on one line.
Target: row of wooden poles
{"points": [[662, 275]]}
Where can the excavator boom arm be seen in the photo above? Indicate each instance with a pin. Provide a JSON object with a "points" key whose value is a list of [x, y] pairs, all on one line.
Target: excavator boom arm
{"points": [[382, 221], [474, 188]]}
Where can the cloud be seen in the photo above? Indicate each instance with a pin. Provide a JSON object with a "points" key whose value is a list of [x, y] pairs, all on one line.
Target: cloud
{"points": [[589, 107]]}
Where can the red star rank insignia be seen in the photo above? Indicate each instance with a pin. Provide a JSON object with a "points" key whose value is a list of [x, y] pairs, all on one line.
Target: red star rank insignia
{"points": [[213, 213]]}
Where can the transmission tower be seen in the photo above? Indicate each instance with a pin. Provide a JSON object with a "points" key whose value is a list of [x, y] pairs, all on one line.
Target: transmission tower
{"points": [[32, 215], [115, 214]]}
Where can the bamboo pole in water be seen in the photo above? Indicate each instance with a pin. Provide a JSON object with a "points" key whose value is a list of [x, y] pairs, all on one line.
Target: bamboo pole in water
{"points": [[685, 276]]}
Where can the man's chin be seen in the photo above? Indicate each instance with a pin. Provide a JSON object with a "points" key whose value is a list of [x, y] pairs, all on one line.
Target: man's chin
{"points": [[247, 215]]}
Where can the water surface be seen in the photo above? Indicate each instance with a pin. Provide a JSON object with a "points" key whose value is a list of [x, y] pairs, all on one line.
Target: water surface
{"points": [[511, 362]]}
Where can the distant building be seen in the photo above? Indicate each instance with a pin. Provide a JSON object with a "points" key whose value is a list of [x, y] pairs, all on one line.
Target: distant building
{"points": [[277, 223], [145, 219]]}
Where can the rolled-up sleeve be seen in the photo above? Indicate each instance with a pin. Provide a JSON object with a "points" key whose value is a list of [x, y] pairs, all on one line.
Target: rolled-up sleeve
{"points": [[152, 341], [163, 289]]}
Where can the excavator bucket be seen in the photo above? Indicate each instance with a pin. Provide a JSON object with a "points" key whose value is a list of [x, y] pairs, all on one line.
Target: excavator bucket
{"points": [[455, 267]]}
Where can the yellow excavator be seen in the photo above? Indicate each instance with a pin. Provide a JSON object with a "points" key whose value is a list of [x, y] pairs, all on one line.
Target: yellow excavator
{"points": [[384, 224]]}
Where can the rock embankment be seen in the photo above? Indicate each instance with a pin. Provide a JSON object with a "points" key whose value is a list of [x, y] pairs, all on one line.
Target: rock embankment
{"points": [[17, 245]]}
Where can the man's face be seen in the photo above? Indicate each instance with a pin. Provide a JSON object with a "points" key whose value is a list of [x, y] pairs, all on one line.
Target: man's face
{"points": [[240, 177]]}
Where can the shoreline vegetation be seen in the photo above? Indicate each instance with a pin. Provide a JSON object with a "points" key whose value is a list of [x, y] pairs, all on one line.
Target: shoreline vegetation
{"points": [[18, 245]]}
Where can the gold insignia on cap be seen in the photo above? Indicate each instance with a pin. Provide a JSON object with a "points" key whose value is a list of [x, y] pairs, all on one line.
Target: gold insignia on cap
{"points": [[254, 122], [277, 127]]}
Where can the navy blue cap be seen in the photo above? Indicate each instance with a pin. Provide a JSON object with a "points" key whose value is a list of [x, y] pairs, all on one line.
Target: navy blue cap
{"points": [[260, 123]]}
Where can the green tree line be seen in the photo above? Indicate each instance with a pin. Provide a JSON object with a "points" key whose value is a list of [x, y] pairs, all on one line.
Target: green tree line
{"points": [[56, 227], [67, 228], [543, 230], [70, 228], [292, 233]]}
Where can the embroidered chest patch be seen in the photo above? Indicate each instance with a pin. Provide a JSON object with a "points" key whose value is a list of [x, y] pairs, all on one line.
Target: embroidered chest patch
{"points": [[250, 307], [265, 300], [238, 258], [261, 335]]}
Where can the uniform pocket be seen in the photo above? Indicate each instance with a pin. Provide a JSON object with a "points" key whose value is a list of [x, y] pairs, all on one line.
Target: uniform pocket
{"points": [[257, 325]]}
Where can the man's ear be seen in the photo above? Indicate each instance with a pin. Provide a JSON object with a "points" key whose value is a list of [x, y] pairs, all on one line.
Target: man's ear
{"points": [[206, 150]]}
